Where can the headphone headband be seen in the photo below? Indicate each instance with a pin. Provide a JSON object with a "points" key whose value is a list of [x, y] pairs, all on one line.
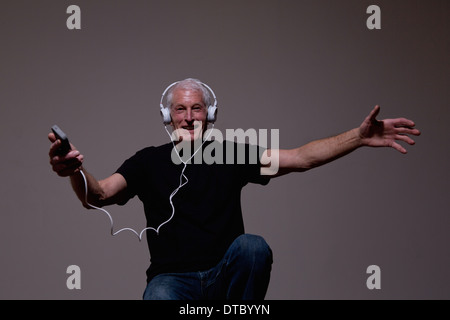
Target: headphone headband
{"points": [[212, 109]]}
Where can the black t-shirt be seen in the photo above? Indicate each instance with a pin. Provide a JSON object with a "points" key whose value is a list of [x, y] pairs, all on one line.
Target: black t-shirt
{"points": [[208, 214]]}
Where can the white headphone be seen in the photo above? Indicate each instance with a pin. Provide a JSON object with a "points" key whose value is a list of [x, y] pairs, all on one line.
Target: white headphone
{"points": [[212, 109]]}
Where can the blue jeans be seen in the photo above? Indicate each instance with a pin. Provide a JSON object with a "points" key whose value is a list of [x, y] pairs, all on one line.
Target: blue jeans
{"points": [[243, 273]]}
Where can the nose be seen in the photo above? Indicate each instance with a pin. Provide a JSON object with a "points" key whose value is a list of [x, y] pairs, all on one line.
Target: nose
{"points": [[188, 115]]}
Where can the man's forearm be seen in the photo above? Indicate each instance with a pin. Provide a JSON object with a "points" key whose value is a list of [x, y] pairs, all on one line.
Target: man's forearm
{"points": [[320, 152], [94, 193], [371, 132]]}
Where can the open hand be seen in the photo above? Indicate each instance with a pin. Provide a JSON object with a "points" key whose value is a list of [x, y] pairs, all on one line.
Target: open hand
{"points": [[386, 133]]}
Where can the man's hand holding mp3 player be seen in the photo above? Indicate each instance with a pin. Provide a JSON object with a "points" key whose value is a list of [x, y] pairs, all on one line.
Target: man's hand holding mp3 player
{"points": [[65, 159]]}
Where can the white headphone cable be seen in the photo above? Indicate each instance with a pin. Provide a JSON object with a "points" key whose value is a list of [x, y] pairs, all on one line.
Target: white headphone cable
{"points": [[181, 175], [139, 235], [105, 211]]}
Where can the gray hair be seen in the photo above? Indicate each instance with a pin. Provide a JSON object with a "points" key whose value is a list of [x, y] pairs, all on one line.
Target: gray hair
{"points": [[190, 84]]}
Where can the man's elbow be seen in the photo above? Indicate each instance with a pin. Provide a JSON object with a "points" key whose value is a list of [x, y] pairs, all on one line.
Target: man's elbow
{"points": [[94, 201]]}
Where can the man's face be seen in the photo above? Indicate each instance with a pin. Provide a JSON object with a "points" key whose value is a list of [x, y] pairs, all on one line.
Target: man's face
{"points": [[188, 114]]}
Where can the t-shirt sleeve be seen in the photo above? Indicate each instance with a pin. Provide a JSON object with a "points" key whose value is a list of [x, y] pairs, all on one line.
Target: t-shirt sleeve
{"points": [[254, 165], [132, 170]]}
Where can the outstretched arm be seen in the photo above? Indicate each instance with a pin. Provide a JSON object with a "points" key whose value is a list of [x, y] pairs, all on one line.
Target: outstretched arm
{"points": [[112, 190], [372, 133]]}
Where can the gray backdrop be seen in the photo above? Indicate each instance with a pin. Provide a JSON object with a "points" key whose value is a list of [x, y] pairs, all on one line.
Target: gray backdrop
{"points": [[311, 69]]}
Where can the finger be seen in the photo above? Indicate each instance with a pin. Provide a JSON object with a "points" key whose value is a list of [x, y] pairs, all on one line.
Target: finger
{"points": [[68, 171], [80, 158], [399, 148], [54, 148], [51, 137], [402, 122], [403, 130], [58, 166], [63, 169], [72, 147], [406, 139], [374, 113], [75, 154], [72, 154]]}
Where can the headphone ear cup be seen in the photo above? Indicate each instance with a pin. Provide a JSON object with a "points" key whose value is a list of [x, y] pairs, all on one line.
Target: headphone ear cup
{"points": [[212, 114], [165, 113]]}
